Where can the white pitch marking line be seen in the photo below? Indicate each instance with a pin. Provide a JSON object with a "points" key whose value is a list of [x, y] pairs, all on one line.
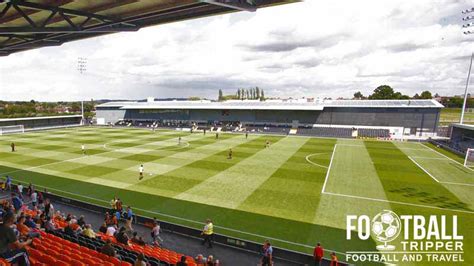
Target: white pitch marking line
{"points": [[424, 170], [428, 158], [397, 202], [459, 184], [441, 182], [313, 163], [77, 158], [451, 159], [329, 168]]}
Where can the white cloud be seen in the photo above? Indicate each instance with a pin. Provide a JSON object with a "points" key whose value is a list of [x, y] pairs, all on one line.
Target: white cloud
{"points": [[315, 48]]}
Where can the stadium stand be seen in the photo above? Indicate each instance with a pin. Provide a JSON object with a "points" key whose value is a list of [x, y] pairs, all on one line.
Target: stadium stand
{"points": [[47, 122], [325, 132], [81, 250], [461, 138]]}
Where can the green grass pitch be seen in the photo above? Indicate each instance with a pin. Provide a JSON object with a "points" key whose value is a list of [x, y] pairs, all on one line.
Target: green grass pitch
{"points": [[296, 192]]}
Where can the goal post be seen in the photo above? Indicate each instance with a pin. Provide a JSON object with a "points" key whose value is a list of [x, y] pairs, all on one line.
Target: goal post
{"points": [[469, 159], [12, 129]]}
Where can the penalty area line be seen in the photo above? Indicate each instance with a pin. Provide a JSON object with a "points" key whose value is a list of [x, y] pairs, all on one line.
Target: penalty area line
{"points": [[396, 202], [451, 159], [313, 163], [437, 180], [424, 170]]}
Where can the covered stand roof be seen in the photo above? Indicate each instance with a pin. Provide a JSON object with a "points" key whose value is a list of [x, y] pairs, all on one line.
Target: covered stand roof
{"points": [[272, 105], [32, 24]]}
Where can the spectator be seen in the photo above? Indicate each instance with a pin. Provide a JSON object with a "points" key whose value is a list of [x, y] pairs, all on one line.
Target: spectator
{"points": [[81, 222], [182, 262], [137, 239], [207, 233], [334, 261], [129, 219], [29, 222], [210, 261], [88, 231], [267, 259], [140, 260], [29, 190], [155, 234], [40, 199], [113, 204], [118, 205], [103, 228], [108, 249], [48, 208], [34, 198], [20, 190], [200, 260], [17, 203], [121, 236], [69, 229], [318, 254], [12, 250], [49, 225], [111, 230], [24, 230], [8, 183]]}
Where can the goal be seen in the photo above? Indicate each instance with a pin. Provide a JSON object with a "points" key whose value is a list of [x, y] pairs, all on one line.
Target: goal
{"points": [[12, 129], [469, 160]]}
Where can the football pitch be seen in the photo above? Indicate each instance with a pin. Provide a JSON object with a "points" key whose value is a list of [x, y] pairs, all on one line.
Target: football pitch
{"points": [[297, 192]]}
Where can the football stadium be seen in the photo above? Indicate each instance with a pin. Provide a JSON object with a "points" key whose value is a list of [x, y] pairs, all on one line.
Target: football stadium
{"points": [[227, 182]]}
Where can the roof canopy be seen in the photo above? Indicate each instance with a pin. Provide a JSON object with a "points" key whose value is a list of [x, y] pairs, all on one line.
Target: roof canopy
{"points": [[270, 105], [39, 23]]}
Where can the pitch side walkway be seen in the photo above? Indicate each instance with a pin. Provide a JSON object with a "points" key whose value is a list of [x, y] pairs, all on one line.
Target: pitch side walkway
{"points": [[177, 242]]}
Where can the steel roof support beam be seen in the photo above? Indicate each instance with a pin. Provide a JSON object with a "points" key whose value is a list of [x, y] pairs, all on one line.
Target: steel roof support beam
{"points": [[19, 30], [242, 5], [66, 11]]}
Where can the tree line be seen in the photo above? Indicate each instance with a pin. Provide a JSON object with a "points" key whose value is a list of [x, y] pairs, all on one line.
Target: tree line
{"points": [[33, 108], [243, 94], [386, 92]]}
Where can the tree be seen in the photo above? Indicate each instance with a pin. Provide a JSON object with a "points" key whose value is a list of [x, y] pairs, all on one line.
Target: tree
{"points": [[220, 95], [383, 92], [426, 95], [238, 94], [358, 95], [258, 92], [416, 96], [242, 94], [262, 95]]}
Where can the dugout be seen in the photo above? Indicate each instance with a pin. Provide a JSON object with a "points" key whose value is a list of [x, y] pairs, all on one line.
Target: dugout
{"points": [[462, 137]]}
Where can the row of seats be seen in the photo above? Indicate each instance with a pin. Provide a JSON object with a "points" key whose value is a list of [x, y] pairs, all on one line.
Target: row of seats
{"points": [[373, 133], [326, 132], [53, 250], [155, 256], [157, 253]]}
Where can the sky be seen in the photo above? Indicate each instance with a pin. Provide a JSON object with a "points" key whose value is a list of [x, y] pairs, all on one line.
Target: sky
{"points": [[316, 48]]}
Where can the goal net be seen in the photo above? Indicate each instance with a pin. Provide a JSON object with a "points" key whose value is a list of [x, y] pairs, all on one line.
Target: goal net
{"points": [[12, 129], [469, 160]]}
